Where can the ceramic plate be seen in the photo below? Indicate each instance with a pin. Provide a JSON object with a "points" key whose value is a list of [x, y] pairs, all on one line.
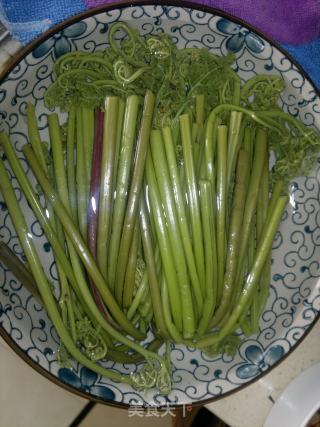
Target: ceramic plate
{"points": [[294, 300]]}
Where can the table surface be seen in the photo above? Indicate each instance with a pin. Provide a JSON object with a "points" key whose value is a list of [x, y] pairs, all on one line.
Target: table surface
{"points": [[246, 408]]}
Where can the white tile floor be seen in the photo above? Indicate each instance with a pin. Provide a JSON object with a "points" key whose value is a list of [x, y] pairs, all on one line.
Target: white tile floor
{"points": [[27, 399], [102, 416]]}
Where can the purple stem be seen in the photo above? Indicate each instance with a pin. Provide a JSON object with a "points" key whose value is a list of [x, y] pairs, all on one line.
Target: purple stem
{"points": [[94, 203]]}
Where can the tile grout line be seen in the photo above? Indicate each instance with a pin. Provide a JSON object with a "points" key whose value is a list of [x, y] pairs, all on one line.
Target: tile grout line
{"points": [[82, 414]]}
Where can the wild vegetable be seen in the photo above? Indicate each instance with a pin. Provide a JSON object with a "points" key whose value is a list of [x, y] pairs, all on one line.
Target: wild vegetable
{"points": [[157, 199]]}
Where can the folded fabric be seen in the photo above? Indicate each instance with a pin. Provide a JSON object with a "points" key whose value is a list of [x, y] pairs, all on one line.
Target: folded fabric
{"points": [[28, 19], [295, 24], [287, 21]]}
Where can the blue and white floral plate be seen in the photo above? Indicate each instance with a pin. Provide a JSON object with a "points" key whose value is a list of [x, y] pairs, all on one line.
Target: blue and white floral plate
{"points": [[294, 301]]}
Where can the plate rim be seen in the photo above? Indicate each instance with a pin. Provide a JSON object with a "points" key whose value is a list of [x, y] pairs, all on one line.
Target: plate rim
{"points": [[12, 63]]}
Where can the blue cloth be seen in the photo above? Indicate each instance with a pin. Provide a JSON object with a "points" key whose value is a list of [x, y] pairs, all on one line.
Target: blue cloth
{"points": [[308, 56], [26, 19]]}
